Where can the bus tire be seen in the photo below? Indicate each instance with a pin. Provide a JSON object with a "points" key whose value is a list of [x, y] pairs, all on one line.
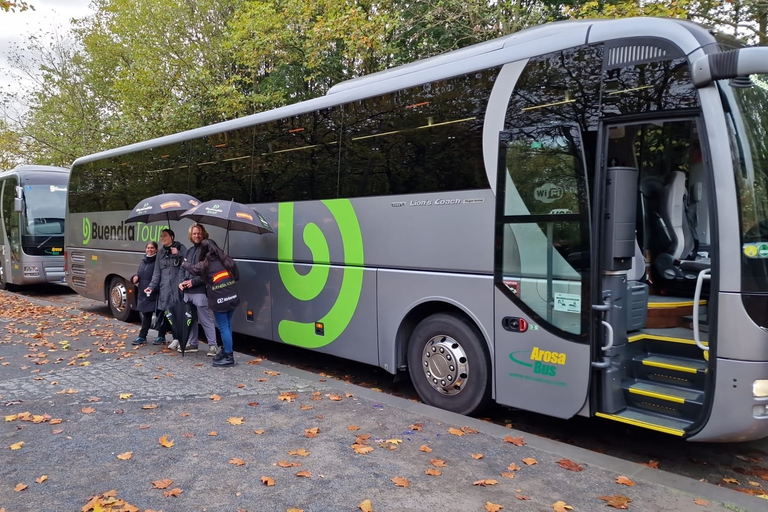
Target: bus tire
{"points": [[449, 364], [118, 299]]}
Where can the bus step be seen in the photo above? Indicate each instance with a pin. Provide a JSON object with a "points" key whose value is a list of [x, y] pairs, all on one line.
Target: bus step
{"points": [[638, 418], [674, 371], [703, 325], [664, 399]]}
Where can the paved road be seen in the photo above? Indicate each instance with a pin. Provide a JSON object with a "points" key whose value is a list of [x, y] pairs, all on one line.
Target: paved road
{"points": [[91, 422], [735, 465]]}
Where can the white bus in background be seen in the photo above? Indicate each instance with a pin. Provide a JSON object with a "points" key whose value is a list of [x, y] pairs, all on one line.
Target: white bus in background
{"points": [[570, 220], [33, 201]]}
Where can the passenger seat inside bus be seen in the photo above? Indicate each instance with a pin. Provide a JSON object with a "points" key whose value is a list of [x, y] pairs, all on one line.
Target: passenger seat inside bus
{"points": [[678, 263]]}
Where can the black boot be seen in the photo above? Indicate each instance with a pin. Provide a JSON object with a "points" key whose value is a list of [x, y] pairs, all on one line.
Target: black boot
{"points": [[227, 359], [219, 356]]}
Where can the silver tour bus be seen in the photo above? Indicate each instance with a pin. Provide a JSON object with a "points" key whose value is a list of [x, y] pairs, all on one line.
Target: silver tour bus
{"points": [[33, 201], [571, 220]]}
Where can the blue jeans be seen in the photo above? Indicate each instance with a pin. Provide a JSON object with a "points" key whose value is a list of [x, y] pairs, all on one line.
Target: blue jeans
{"points": [[224, 323]]}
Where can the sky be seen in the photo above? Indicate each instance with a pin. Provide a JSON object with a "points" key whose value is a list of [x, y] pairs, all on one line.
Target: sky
{"points": [[16, 27]]}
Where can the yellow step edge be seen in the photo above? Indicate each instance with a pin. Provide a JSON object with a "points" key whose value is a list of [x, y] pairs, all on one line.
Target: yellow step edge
{"points": [[668, 305], [660, 396], [667, 366], [644, 424], [646, 336]]}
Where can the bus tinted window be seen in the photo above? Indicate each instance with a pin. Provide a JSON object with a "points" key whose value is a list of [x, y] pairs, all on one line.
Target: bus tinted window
{"points": [[424, 139], [220, 166]]}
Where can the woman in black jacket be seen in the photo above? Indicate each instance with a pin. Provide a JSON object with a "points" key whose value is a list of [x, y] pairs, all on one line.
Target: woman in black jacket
{"points": [[220, 274], [146, 304]]}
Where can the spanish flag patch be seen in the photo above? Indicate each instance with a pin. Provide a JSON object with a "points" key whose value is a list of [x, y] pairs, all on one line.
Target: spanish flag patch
{"points": [[218, 276]]}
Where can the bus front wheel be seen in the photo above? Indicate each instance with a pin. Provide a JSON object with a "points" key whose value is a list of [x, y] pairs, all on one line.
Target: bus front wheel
{"points": [[118, 299], [449, 364]]}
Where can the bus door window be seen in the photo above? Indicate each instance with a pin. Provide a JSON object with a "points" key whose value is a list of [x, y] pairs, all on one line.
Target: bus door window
{"points": [[11, 218], [545, 255]]}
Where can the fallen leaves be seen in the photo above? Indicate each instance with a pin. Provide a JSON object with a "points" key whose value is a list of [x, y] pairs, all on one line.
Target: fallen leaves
{"points": [[486, 482], [165, 442], [366, 506], [287, 396], [268, 481], [235, 421], [400, 481], [569, 465], [17, 446], [616, 501], [625, 481], [433, 472], [517, 441], [20, 487], [300, 452], [125, 456], [438, 463], [311, 432], [560, 506], [88, 410], [492, 507], [530, 461], [175, 492], [41, 479], [455, 431], [236, 462]]}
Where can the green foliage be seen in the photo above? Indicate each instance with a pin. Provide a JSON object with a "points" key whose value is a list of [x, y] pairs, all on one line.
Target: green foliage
{"points": [[14, 6]]}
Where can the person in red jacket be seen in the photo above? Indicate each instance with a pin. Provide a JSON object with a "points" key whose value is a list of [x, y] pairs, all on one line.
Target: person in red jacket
{"points": [[220, 274]]}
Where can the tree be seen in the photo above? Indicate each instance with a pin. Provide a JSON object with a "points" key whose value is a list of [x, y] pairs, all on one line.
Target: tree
{"points": [[17, 5]]}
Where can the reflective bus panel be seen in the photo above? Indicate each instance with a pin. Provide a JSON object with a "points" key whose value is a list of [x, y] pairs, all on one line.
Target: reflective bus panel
{"points": [[566, 220]]}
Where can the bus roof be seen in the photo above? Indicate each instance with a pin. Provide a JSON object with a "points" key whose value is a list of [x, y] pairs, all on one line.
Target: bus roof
{"points": [[26, 169], [527, 43]]}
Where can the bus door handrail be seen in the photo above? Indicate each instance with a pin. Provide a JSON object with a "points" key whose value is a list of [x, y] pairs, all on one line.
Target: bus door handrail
{"points": [[704, 274]]}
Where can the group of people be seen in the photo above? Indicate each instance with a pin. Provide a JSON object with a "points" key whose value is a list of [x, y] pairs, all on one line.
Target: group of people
{"points": [[203, 276]]}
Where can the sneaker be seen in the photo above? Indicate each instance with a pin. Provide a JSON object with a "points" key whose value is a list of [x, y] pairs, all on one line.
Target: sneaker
{"points": [[159, 341], [190, 348], [141, 340], [213, 350], [227, 360], [174, 345]]}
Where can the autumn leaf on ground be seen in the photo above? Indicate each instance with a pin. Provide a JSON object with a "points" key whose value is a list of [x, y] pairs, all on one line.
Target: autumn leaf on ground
{"points": [[306, 407], [361, 448], [508, 474], [301, 452], [513, 467], [625, 481], [652, 464], [485, 482], [424, 448], [560, 506], [87, 410], [162, 484], [272, 373], [334, 397], [125, 456], [433, 472], [438, 463], [311, 432], [20, 487], [287, 464], [530, 461], [353, 427], [235, 421], [215, 397], [400, 481], [416, 426], [175, 492], [259, 431], [700, 501], [366, 506], [731, 481], [149, 406], [517, 441], [213, 433], [287, 396], [616, 501], [569, 465], [125, 396], [305, 474], [17, 446], [477, 456], [492, 507], [456, 431], [165, 442], [469, 430], [237, 462], [269, 482], [41, 479]]}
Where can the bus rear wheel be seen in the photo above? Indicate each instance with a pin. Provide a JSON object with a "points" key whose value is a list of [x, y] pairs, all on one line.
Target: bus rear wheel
{"points": [[449, 364], [118, 300]]}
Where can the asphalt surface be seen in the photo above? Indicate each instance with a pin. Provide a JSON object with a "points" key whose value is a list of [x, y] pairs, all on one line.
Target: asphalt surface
{"points": [[98, 410]]}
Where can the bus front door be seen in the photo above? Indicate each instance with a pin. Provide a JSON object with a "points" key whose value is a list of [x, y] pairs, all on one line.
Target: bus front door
{"points": [[542, 272]]}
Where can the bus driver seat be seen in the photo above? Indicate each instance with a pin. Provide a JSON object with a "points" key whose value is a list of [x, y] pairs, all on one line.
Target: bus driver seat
{"points": [[677, 264]]}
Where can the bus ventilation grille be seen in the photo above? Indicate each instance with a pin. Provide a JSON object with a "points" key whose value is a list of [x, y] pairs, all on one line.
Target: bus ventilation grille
{"points": [[625, 55]]}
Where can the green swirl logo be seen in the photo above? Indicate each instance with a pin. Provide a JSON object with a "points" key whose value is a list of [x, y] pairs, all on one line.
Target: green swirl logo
{"points": [[307, 287], [86, 231]]}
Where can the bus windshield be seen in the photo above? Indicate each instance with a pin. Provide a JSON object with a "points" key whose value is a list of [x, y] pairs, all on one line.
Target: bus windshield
{"points": [[42, 219], [748, 123]]}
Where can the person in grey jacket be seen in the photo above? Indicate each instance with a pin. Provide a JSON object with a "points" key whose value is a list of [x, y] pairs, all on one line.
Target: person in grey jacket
{"points": [[194, 293], [145, 302], [166, 278]]}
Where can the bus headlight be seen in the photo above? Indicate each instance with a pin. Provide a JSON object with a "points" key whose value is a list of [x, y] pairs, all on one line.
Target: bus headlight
{"points": [[760, 388], [31, 271]]}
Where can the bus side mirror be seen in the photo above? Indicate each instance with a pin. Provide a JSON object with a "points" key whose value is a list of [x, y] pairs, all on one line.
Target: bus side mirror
{"points": [[18, 205]]}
